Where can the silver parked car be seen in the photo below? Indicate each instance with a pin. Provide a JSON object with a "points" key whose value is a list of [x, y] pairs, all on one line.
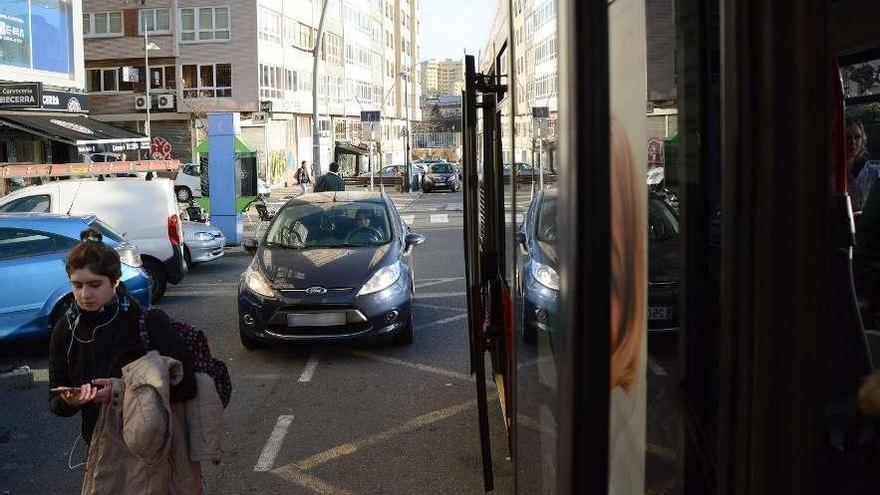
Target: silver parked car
{"points": [[202, 242]]}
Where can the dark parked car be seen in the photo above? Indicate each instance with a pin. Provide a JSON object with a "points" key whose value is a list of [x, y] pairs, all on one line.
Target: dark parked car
{"points": [[441, 175], [539, 284], [330, 266]]}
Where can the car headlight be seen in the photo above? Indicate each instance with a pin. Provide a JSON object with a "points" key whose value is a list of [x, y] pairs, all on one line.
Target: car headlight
{"points": [[130, 256], [257, 283], [545, 275], [204, 236], [382, 279]]}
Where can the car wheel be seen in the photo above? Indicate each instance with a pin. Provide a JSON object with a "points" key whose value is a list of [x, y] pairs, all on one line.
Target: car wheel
{"points": [[404, 336], [426, 190], [249, 342], [187, 256], [183, 194], [158, 279]]}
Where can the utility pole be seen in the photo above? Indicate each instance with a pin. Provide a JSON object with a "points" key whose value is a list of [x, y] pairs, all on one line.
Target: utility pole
{"points": [[409, 181], [147, 86], [316, 128]]}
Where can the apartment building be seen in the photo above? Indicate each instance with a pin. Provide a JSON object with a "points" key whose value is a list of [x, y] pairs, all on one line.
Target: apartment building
{"points": [[253, 57], [441, 77]]}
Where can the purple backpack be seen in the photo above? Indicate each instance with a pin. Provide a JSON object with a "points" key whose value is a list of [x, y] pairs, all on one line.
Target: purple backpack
{"points": [[197, 343]]}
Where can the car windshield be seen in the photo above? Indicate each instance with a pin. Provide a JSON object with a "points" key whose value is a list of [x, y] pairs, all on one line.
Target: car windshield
{"points": [[441, 168], [311, 225], [547, 231]]}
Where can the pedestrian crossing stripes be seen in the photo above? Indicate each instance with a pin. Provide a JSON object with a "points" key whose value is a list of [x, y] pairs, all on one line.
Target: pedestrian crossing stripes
{"points": [[442, 218]]}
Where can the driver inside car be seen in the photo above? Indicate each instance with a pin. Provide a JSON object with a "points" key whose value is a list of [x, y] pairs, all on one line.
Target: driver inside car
{"points": [[363, 218]]}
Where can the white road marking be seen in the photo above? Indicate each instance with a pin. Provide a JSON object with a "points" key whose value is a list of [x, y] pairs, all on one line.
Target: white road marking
{"points": [[439, 295], [437, 306], [454, 207], [656, 368], [421, 285], [408, 219], [447, 320], [420, 367], [441, 218], [267, 458], [309, 372]]}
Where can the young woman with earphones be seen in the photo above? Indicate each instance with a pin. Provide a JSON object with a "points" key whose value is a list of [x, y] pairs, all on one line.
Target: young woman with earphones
{"points": [[99, 335]]}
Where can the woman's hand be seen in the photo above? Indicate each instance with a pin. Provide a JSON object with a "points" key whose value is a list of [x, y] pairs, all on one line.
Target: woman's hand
{"points": [[78, 398]]}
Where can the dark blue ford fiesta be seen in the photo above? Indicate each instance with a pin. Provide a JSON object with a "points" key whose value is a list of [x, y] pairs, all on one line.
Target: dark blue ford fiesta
{"points": [[330, 266]]}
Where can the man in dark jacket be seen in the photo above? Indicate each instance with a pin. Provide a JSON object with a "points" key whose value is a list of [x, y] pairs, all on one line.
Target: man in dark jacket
{"points": [[331, 181]]}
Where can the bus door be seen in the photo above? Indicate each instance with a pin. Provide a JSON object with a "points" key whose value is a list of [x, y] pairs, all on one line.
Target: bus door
{"points": [[487, 290]]}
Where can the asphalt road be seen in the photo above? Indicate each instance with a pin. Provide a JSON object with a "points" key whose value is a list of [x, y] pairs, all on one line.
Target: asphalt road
{"points": [[359, 418]]}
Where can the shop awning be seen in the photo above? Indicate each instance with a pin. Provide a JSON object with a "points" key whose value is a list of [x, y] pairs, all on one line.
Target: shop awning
{"points": [[77, 130], [348, 148], [240, 146]]}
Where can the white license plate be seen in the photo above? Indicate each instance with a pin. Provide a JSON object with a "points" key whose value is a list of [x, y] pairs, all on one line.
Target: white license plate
{"points": [[660, 313], [316, 320]]}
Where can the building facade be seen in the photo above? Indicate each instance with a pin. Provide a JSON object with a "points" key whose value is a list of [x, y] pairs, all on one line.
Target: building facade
{"points": [[441, 77], [254, 57], [43, 104]]}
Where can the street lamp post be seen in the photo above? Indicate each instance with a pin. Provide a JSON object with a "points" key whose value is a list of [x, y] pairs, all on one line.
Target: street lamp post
{"points": [[316, 128], [147, 47], [409, 182]]}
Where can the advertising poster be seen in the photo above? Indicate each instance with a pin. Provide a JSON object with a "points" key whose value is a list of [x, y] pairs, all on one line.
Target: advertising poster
{"points": [[52, 32], [629, 251], [15, 43]]}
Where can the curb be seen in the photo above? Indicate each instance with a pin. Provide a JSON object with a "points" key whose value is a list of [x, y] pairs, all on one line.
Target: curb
{"points": [[21, 378]]}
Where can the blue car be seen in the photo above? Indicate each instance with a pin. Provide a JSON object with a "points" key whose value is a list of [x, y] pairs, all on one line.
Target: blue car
{"points": [[33, 281]]}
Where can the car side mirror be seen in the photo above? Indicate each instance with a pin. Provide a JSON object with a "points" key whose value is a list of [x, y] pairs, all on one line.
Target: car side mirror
{"points": [[251, 245], [520, 237], [413, 240]]}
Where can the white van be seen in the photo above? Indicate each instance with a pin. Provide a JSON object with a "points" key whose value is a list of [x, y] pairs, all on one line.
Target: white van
{"points": [[145, 210]]}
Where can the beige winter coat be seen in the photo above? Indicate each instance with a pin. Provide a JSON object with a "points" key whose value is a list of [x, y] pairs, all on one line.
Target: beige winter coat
{"points": [[140, 445]]}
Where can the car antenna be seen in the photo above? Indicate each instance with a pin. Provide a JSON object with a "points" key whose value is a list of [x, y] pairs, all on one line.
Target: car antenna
{"points": [[73, 201]]}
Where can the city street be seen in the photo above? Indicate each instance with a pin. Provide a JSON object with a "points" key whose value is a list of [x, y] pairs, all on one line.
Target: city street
{"points": [[358, 418]]}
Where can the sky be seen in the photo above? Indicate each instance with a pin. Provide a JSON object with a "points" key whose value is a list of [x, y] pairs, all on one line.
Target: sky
{"points": [[448, 26]]}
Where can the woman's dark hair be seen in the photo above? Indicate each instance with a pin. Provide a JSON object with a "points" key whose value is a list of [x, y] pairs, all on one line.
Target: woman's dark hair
{"points": [[93, 254]]}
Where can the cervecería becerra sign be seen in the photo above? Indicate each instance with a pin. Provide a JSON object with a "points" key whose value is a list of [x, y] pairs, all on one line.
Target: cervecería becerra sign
{"points": [[23, 95]]}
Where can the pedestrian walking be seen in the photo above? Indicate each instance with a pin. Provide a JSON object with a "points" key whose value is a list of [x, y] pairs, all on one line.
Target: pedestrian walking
{"points": [[331, 181], [302, 174], [130, 400]]}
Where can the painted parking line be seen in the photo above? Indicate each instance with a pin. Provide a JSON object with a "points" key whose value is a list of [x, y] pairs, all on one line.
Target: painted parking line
{"points": [[441, 218], [446, 320], [409, 426], [273, 445], [407, 364], [437, 306], [309, 372], [454, 207]]}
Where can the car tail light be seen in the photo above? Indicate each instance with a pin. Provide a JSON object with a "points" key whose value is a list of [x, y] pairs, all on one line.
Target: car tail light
{"points": [[173, 230]]}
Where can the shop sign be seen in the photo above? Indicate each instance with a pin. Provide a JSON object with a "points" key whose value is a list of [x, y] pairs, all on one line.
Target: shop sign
{"points": [[61, 100], [160, 149], [21, 95]]}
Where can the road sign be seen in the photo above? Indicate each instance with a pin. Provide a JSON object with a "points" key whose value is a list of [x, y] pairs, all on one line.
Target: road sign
{"points": [[371, 116]]}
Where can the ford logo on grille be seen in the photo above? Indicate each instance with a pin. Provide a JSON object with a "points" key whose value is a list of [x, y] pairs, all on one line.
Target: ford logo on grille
{"points": [[316, 291]]}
